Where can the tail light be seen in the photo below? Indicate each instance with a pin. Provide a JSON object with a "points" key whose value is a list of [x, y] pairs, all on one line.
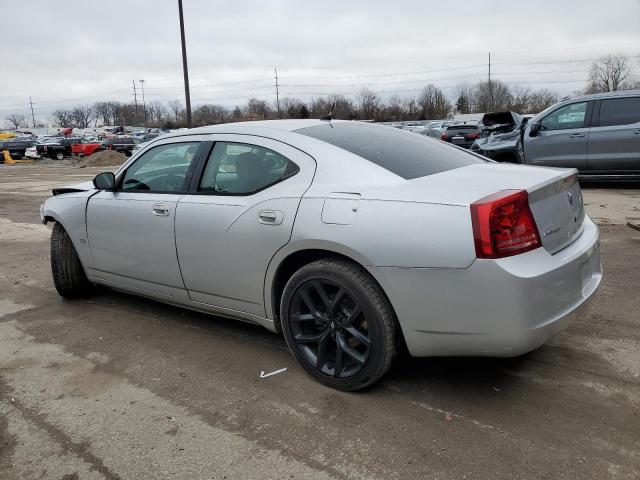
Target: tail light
{"points": [[503, 225], [109, 147], [444, 136], [472, 136]]}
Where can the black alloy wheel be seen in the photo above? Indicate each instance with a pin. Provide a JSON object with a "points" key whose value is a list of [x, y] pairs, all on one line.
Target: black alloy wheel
{"points": [[338, 324], [329, 327]]}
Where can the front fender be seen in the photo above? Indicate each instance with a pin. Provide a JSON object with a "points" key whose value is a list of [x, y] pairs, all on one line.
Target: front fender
{"points": [[69, 210]]}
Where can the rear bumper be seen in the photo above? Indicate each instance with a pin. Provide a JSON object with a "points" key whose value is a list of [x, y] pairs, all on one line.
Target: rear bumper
{"points": [[503, 307]]}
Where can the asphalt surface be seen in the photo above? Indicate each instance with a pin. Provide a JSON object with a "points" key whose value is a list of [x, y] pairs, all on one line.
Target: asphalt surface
{"points": [[121, 387]]}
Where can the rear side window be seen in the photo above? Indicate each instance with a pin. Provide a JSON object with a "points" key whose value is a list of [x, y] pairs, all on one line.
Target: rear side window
{"points": [[619, 111], [243, 169], [406, 154]]}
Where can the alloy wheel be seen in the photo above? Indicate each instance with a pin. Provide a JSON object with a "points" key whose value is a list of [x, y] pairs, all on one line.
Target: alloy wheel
{"points": [[329, 328]]}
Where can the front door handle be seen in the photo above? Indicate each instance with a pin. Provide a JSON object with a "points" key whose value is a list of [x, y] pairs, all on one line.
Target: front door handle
{"points": [[270, 217], [161, 210], [577, 135], [637, 132]]}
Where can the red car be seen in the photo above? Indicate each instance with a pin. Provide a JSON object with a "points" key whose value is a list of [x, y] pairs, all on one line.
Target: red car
{"points": [[85, 148]]}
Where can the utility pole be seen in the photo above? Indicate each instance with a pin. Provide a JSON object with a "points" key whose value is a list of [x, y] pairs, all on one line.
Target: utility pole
{"points": [[185, 70], [489, 85], [277, 93], [144, 105], [135, 98], [33, 117]]}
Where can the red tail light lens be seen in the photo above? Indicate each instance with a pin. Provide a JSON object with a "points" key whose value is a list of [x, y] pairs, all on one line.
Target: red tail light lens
{"points": [[444, 136], [473, 136], [503, 225]]}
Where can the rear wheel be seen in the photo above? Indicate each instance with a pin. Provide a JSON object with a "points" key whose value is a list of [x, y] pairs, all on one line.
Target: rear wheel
{"points": [[59, 156], [338, 324], [68, 275]]}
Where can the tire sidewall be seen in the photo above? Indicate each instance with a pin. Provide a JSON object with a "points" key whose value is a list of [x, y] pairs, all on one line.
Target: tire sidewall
{"points": [[375, 361]]}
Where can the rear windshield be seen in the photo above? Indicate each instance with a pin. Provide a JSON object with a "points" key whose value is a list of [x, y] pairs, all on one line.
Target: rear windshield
{"points": [[406, 154]]}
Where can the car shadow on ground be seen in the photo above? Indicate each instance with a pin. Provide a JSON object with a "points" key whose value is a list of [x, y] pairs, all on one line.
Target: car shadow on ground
{"points": [[463, 374]]}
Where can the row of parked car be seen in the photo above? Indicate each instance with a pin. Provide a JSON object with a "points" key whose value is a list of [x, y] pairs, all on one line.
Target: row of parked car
{"points": [[59, 147], [597, 134]]}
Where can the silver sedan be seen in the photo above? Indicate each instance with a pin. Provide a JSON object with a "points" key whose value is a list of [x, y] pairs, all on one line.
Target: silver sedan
{"points": [[352, 239]]}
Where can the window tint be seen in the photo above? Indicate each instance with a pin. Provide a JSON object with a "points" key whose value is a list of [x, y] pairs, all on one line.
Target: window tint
{"points": [[569, 116], [620, 111], [403, 153], [242, 169], [162, 169]]}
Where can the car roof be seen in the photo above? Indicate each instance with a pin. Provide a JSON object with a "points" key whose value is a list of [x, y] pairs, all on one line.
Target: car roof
{"points": [[252, 127], [603, 95]]}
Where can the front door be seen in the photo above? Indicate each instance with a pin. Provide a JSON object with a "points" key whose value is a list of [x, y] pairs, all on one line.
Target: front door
{"points": [[562, 139], [131, 230], [614, 143], [239, 213]]}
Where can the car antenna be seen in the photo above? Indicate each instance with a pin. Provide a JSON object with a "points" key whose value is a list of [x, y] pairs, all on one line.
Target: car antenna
{"points": [[328, 116]]}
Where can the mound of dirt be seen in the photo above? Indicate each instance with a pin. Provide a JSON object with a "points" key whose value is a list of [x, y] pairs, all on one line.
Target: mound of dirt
{"points": [[103, 158]]}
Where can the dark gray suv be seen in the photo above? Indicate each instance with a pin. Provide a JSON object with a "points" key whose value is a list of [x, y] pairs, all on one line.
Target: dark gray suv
{"points": [[597, 134]]}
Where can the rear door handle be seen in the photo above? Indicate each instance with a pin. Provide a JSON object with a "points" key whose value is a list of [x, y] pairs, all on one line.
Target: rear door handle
{"points": [[161, 210], [637, 132], [270, 217], [577, 135]]}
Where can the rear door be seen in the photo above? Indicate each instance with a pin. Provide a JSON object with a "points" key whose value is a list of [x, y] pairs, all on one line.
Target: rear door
{"points": [[131, 230], [563, 138], [614, 140], [239, 212]]}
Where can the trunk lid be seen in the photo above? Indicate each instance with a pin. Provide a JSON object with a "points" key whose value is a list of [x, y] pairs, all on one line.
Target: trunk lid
{"points": [[554, 194]]}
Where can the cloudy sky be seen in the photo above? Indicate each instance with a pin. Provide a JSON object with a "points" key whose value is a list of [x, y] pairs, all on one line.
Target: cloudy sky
{"points": [[78, 51]]}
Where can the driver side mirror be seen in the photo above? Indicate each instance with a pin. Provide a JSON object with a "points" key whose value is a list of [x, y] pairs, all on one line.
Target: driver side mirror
{"points": [[535, 129], [105, 181]]}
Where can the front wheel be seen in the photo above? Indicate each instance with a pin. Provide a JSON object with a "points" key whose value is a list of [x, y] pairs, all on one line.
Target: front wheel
{"points": [[59, 156], [338, 324], [68, 274]]}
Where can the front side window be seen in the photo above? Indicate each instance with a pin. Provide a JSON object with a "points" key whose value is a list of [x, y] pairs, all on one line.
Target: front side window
{"points": [[243, 169], [619, 111], [569, 116], [162, 169]]}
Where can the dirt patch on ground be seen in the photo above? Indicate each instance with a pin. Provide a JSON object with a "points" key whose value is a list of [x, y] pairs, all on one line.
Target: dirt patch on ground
{"points": [[105, 158]]}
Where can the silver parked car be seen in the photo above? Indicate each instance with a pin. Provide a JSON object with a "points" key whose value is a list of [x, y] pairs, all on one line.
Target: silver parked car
{"points": [[351, 239]]}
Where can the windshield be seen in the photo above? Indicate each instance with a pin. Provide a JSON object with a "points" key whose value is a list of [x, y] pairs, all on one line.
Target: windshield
{"points": [[406, 154]]}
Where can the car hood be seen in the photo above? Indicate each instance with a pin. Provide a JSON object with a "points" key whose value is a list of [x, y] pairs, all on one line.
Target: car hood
{"points": [[77, 188]]}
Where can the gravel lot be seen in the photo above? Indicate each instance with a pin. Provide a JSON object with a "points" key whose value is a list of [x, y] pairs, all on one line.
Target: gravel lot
{"points": [[121, 387]]}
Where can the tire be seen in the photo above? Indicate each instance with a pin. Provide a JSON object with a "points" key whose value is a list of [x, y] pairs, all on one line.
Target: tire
{"points": [[338, 324], [59, 156], [68, 274]]}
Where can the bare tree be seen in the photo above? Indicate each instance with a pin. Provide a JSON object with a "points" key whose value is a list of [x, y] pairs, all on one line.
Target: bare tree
{"points": [[156, 113], [608, 74], [258, 109], [81, 116], [209, 114], [290, 107], [434, 103], [176, 108], [540, 100], [369, 104], [464, 95], [102, 112], [520, 99], [395, 109], [62, 118], [343, 108], [16, 120], [490, 97]]}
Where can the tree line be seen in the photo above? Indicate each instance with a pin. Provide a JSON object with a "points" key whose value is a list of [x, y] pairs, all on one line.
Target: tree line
{"points": [[609, 74]]}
